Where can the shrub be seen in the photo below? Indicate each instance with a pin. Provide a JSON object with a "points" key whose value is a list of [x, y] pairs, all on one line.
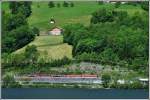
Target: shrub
{"points": [[51, 4], [65, 4], [117, 4], [105, 80], [36, 31], [58, 5], [72, 4], [9, 82]]}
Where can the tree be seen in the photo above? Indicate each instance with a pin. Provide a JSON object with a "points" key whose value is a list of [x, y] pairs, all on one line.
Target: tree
{"points": [[145, 5], [23, 36], [51, 4], [17, 38], [120, 15], [65, 4], [31, 54], [38, 6], [100, 2], [102, 16], [27, 7], [16, 32], [136, 85], [72, 4], [117, 4], [70, 30], [133, 3], [9, 82], [139, 63], [14, 7], [36, 31], [109, 56], [13, 21], [89, 57], [85, 45], [21, 7], [8, 42], [106, 79], [58, 5]]}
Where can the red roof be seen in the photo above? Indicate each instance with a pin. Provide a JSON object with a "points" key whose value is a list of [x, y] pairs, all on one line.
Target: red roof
{"points": [[56, 29]]}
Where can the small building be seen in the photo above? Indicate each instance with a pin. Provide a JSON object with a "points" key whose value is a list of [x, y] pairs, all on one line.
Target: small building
{"points": [[121, 81], [144, 80], [123, 2], [115, 1], [106, 1], [55, 31]]}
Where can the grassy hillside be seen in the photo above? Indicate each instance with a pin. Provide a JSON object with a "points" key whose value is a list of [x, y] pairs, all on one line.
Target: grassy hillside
{"points": [[80, 13], [51, 46]]}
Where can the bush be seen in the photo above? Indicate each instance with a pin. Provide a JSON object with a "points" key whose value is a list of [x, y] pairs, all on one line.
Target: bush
{"points": [[31, 54], [88, 57], [23, 7], [100, 2], [117, 4], [145, 5], [38, 6], [134, 85], [65, 4], [102, 16], [72, 4], [36, 31], [58, 5], [105, 80], [109, 56], [51, 4], [17, 38], [56, 63], [9, 82]]}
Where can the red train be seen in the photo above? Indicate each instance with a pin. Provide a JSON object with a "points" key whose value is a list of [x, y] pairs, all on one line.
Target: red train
{"points": [[70, 75], [82, 75]]}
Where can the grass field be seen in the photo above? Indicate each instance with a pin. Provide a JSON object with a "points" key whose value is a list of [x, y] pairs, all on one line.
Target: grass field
{"points": [[80, 13], [51, 46]]}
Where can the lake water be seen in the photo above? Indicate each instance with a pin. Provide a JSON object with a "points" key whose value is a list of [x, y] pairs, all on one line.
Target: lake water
{"points": [[72, 93]]}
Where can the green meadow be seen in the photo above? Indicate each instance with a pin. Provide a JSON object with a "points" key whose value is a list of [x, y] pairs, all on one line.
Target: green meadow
{"points": [[80, 13], [50, 46]]}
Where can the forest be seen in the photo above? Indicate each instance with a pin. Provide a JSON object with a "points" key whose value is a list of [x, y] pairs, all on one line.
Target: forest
{"points": [[14, 24], [113, 37]]}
